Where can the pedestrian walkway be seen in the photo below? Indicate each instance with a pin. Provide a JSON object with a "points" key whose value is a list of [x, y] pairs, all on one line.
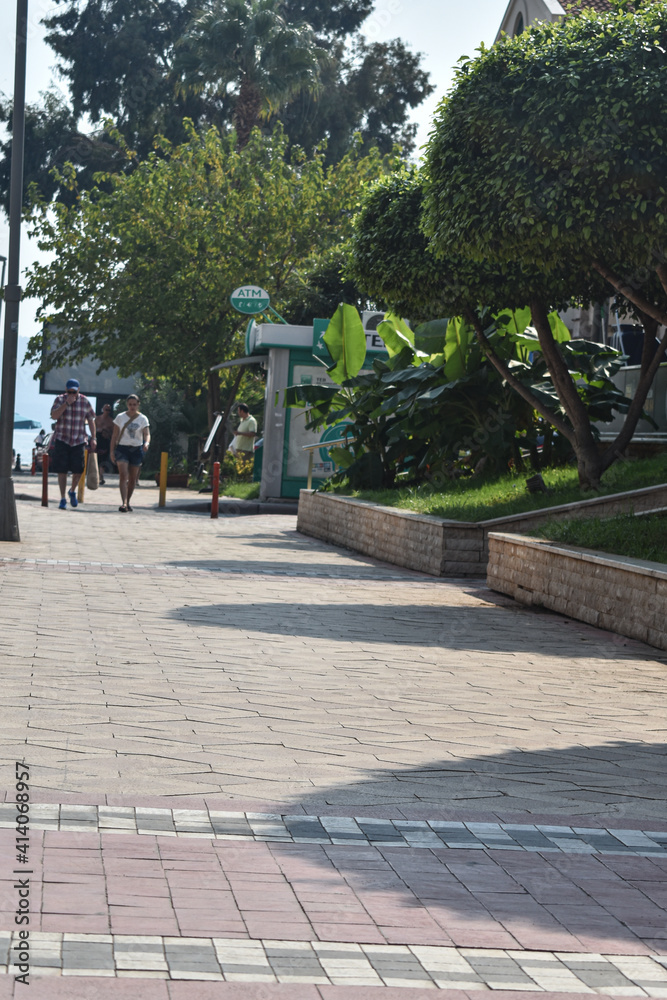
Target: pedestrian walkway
{"points": [[261, 766]]}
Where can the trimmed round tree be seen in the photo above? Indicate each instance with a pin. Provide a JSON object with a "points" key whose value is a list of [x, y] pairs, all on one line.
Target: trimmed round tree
{"points": [[551, 152], [392, 261]]}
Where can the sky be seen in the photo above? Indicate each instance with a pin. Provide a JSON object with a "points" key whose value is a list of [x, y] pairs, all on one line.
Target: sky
{"points": [[442, 31]]}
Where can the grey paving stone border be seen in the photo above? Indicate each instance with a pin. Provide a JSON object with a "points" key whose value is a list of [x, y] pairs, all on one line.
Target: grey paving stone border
{"points": [[338, 963], [340, 830]]}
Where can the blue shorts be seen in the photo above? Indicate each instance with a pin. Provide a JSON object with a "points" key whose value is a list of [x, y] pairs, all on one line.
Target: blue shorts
{"points": [[129, 454]]}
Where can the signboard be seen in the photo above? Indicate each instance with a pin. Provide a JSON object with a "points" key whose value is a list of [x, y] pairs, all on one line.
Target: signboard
{"points": [[297, 458], [250, 299], [105, 383], [319, 347]]}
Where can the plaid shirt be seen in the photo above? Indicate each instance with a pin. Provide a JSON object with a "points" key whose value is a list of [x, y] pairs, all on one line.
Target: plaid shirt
{"points": [[71, 426]]}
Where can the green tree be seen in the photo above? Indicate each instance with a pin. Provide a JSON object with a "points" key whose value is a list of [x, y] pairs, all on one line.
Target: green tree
{"points": [[392, 261], [367, 88], [142, 266], [551, 151], [117, 60], [246, 50]]}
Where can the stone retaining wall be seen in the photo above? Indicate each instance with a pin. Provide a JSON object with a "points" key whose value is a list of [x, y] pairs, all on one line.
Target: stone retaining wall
{"points": [[432, 545], [628, 596]]}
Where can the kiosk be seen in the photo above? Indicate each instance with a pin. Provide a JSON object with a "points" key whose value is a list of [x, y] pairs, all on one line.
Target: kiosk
{"points": [[293, 355]]}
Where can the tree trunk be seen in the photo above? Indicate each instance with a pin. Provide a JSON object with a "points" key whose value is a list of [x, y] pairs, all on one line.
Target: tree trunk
{"points": [[589, 459], [247, 112], [213, 402]]}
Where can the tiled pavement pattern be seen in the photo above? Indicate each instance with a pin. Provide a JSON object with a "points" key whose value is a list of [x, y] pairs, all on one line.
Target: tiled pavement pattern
{"points": [[181, 678], [302, 829], [317, 692], [340, 963]]}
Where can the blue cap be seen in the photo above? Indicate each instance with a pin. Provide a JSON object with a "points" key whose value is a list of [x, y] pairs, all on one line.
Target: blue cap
{"points": [[72, 384]]}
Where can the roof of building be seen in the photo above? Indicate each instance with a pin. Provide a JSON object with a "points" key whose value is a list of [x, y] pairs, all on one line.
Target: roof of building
{"points": [[576, 6]]}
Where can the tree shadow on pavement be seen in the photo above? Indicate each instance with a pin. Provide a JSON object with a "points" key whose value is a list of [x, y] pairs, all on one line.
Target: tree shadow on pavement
{"points": [[612, 782], [496, 624]]}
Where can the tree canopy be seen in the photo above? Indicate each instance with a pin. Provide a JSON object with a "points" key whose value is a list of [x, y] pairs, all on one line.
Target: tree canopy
{"points": [[117, 58], [246, 50], [551, 152], [143, 264]]}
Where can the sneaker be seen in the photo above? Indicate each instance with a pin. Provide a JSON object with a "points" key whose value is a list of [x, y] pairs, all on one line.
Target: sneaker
{"points": [[63, 504], [72, 498]]}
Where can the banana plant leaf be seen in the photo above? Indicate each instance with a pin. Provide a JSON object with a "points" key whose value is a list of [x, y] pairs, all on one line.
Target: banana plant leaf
{"points": [[345, 338], [457, 341]]}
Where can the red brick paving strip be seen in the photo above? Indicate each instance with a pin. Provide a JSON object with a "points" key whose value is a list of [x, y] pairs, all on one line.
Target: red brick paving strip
{"points": [[131, 884]]}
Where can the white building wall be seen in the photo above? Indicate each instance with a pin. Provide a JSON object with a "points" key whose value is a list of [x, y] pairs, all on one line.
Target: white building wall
{"points": [[530, 11]]}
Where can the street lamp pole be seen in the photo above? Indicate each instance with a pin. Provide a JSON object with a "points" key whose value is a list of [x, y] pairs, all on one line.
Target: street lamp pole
{"points": [[9, 525]]}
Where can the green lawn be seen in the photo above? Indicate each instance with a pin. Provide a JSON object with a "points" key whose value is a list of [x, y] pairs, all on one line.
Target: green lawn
{"points": [[480, 500], [240, 491], [624, 535]]}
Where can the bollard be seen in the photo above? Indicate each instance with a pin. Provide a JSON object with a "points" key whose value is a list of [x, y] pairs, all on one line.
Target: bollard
{"points": [[45, 480], [33, 467], [82, 481], [216, 489], [164, 460]]}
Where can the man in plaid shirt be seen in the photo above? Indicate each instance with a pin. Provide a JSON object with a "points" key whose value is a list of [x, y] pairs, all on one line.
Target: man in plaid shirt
{"points": [[71, 410]]}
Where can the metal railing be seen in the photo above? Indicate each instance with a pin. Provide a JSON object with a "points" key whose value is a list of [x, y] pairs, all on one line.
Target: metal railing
{"points": [[312, 448]]}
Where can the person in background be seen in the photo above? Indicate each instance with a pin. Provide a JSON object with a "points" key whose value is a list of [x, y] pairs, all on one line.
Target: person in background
{"points": [[246, 432], [129, 444], [71, 411], [104, 424]]}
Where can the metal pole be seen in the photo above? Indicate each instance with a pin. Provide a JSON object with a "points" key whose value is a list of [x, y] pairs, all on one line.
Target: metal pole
{"points": [[81, 489], [9, 525], [164, 460], [216, 489], [45, 480]]}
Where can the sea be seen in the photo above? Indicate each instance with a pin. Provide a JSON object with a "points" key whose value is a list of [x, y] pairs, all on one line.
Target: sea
{"points": [[23, 442]]}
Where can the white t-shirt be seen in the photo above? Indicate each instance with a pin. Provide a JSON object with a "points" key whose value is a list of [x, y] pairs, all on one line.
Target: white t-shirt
{"points": [[131, 436]]}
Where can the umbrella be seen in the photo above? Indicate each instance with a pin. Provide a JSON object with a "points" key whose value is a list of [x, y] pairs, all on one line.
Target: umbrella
{"points": [[24, 423]]}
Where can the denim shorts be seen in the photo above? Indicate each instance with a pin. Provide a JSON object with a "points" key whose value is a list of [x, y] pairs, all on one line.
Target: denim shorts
{"points": [[129, 454]]}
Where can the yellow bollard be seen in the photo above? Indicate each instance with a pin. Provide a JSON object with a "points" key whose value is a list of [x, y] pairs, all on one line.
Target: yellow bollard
{"points": [[82, 481], [164, 459]]}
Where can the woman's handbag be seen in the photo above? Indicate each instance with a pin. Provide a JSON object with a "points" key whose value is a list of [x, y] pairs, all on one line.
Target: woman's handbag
{"points": [[92, 471]]}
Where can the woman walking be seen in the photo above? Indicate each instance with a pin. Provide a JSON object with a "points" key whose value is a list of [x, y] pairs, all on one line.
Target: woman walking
{"points": [[129, 444]]}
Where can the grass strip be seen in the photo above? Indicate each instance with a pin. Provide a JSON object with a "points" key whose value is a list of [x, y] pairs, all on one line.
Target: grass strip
{"points": [[638, 537], [480, 500]]}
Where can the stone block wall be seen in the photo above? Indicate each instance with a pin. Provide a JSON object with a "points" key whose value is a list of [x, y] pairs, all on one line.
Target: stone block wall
{"points": [[416, 541], [435, 546], [623, 595]]}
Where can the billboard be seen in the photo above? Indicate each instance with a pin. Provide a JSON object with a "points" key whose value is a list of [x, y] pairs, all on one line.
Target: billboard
{"points": [[107, 383]]}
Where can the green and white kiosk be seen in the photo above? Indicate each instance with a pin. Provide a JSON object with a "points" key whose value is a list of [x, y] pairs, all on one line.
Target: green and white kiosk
{"points": [[291, 357]]}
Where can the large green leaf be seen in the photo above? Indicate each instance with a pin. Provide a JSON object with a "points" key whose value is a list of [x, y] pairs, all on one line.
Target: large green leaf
{"points": [[430, 337], [458, 338], [346, 341], [558, 328], [396, 334], [514, 320]]}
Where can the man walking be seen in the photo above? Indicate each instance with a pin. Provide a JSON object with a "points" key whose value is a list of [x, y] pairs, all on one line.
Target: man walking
{"points": [[71, 410], [246, 432]]}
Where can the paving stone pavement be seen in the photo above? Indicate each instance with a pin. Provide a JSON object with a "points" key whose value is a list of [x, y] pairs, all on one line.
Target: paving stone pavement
{"points": [[263, 766]]}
